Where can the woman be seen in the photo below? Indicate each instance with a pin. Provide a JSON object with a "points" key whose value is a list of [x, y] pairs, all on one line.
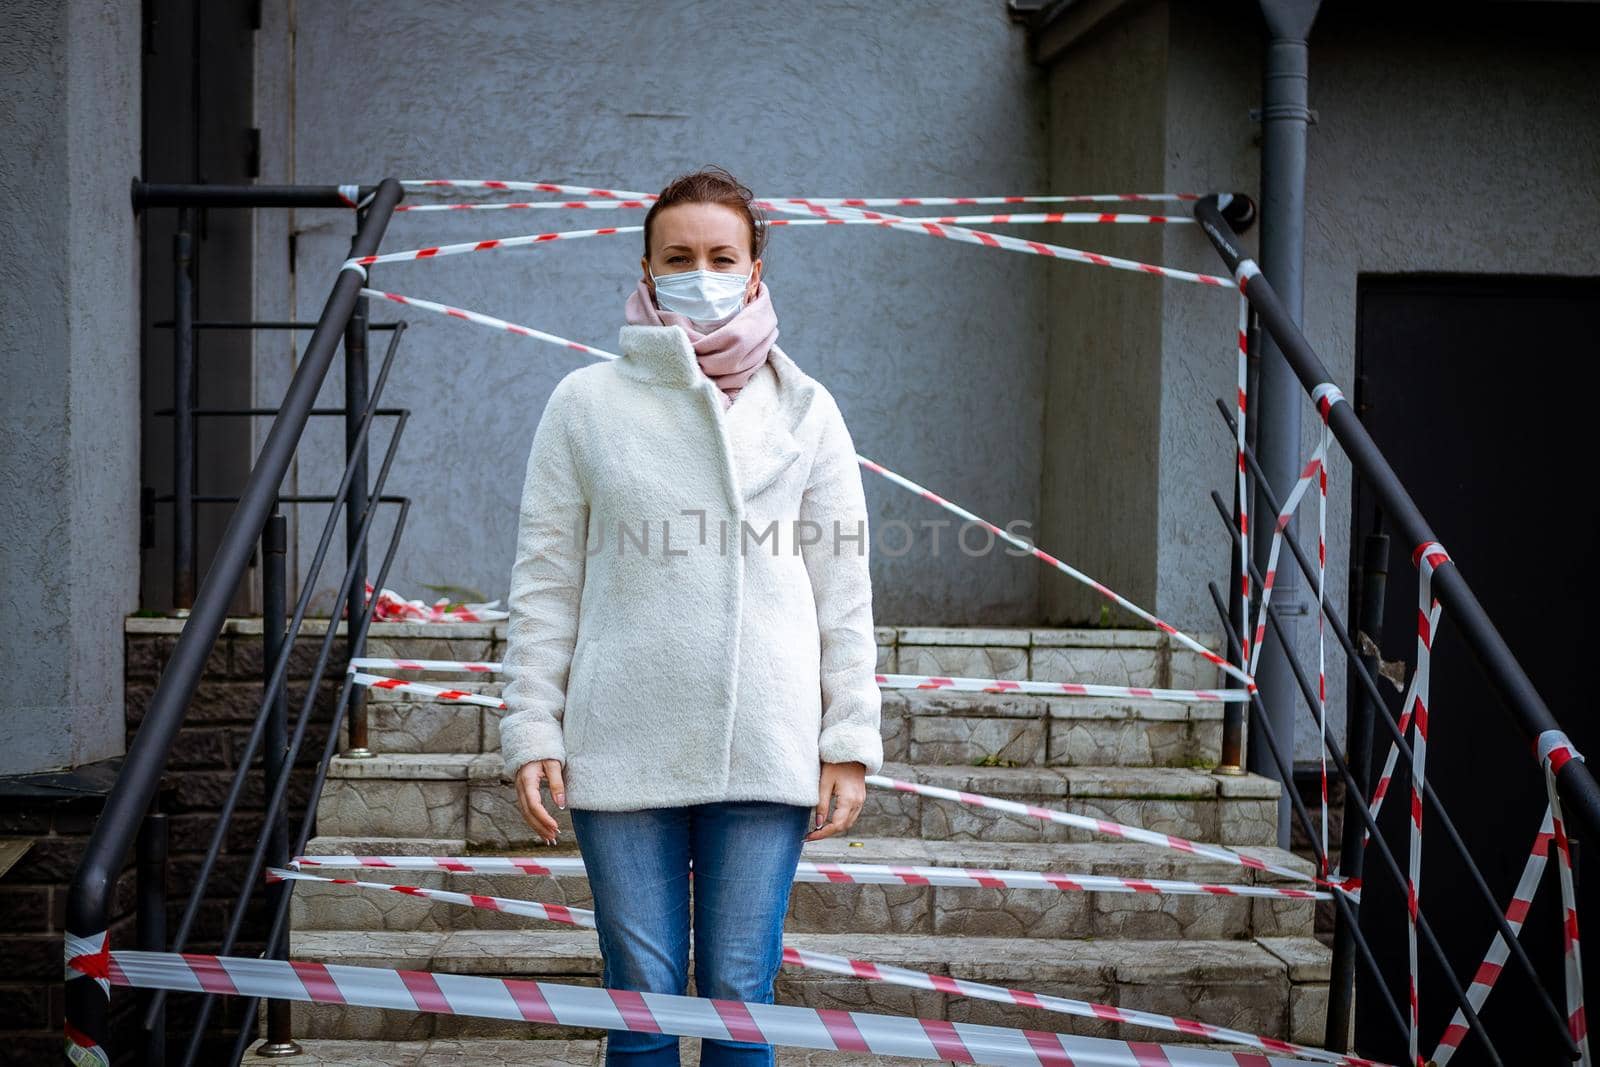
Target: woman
{"points": [[690, 659]]}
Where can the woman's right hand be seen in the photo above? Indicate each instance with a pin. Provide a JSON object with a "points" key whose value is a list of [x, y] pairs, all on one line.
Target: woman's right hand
{"points": [[529, 775]]}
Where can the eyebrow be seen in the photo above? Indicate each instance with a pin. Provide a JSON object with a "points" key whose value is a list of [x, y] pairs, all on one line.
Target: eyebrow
{"points": [[686, 248]]}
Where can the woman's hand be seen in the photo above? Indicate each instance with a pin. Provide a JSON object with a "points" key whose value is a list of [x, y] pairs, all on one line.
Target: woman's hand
{"points": [[533, 810], [846, 785]]}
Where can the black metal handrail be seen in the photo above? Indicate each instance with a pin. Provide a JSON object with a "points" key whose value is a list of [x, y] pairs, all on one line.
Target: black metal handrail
{"points": [[1528, 711], [88, 900]]}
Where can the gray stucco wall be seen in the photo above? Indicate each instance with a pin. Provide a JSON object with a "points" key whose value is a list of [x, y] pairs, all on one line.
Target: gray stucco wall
{"points": [[1463, 147], [935, 350], [69, 475]]}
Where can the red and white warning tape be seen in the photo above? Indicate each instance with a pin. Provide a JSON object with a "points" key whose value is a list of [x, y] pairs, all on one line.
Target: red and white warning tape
{"points": [[1004, 241], [1093, 825], [881, 201], [392, 607], [1555, 750], [933, 227], [875, 972], [840, 208], [1000, 219], [899, 479], [834, 874], [1427, 558], [523, 1000], [1494, 961], [1242, 277], [885, 681]]}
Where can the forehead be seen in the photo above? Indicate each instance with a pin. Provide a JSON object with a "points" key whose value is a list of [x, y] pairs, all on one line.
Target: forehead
{"points": [[699, 225]]}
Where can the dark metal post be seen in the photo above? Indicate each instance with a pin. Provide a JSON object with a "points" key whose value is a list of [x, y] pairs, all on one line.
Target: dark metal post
{"points": [[150, 921], [1358, 754], [183, 478], [355, 402], [1284, 117], [1233, 713], [274, 605]]}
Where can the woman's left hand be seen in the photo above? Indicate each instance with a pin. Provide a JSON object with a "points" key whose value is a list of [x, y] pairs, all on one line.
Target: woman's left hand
{"points": [[845, 785]]}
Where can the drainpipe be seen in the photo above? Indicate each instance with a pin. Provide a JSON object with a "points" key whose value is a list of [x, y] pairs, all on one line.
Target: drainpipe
{"points": [[1284, 118]]}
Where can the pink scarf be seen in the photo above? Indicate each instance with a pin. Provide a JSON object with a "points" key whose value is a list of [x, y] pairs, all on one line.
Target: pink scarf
{"points": [[729, 354]]}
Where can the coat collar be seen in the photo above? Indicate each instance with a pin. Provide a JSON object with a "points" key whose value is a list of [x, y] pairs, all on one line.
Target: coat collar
{"points": [[758, 428]]}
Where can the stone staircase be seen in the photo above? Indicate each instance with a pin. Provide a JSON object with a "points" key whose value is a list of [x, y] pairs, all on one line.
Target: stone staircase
{"points": [[437, 787]]}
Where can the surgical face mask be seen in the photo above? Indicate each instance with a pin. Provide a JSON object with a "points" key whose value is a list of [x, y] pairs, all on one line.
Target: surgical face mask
{"points": [[705, 296]]}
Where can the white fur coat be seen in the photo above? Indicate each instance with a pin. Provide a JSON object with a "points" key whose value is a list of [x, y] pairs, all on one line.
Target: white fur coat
{"points": [[691, 611]]}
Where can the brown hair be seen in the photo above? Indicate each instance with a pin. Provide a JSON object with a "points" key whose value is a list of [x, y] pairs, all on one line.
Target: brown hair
{"points": [[711, 185]]}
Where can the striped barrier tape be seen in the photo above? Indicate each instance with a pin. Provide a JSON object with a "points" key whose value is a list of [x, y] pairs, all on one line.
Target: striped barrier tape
{"points": [[813, 871], [944, 228], [927, 494], [1099, 826], [1009, 243], [1393, 758], [532, 1001], [392, 607], [1554, 749], [1494, 960], [875, 972], [1427, 558], [1325, 396], [86, 957], [482, 185], [885, 681], [1000, 219], [1243, 621]]}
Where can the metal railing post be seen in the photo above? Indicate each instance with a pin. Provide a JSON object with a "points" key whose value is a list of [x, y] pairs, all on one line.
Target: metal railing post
{"points": [[150, 922], [89, 898], [183, 377], [274, 608], [1358, 751], [355, 400]]}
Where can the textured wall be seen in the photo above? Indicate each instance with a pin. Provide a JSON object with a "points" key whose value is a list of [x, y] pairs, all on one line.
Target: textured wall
{"points": [[68, 473], [1470, 147], [1102, 440], [935, 350]]}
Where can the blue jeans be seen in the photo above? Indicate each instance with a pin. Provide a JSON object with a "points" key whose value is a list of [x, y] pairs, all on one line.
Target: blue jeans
{"points": [[744, 854]]}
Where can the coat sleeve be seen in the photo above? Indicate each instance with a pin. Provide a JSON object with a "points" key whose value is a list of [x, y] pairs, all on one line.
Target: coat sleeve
{"points": [[546, 586], [842, 587]]}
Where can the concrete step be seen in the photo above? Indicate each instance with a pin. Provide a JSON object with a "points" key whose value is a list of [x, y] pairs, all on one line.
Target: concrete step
{"points": [[919, 726], [1142, 657], [1274, 986], [467, 796], [851, 908], [587, 1052]]}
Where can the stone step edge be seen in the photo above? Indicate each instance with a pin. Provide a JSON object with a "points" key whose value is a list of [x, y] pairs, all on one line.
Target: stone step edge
{"points": [[1070, 782], [1017, 962], [1080, 857], [972, 636], [548, 1052], [1028, 706]]}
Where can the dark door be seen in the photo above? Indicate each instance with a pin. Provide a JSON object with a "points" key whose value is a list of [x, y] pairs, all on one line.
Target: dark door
{"points": [[198, 103], [1478, 390]]}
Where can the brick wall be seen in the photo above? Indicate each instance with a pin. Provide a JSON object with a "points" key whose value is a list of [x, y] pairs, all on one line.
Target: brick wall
{"points": [[204, 761], [33, 898]]}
